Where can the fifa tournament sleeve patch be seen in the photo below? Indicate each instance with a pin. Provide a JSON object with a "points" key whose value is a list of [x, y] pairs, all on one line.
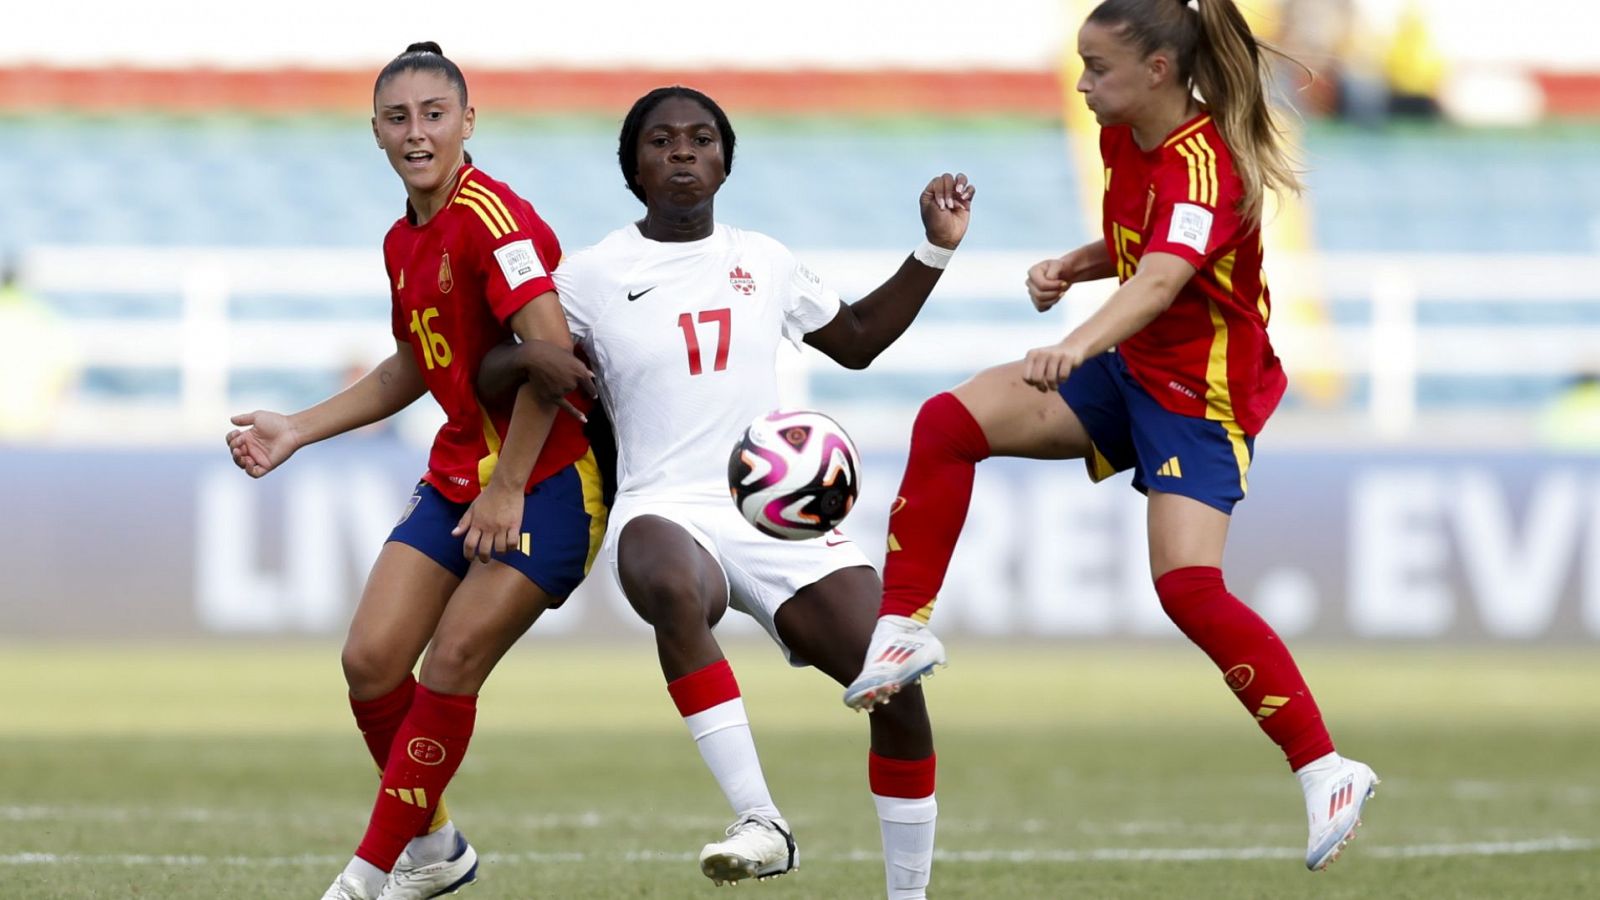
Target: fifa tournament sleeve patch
{"points": [[807, 276], [519, 262], [1191, 226]]}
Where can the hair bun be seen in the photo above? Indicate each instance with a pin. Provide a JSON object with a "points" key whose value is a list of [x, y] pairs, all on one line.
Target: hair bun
{"points": [[424, 47]]}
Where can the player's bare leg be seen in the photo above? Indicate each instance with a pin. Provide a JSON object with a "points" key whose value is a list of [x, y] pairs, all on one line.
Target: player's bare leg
{"points": [[400, 606], [675, 585]]}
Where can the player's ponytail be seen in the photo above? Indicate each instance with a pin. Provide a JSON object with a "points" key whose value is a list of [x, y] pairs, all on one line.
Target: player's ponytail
{"points": [[1232, 74], [1218, 57]]}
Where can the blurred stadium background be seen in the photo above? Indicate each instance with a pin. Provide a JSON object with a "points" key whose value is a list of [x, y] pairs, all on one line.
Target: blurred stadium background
{"points": [[190, 227]]}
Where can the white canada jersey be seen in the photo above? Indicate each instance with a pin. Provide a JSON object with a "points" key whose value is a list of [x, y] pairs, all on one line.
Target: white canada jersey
{"points": [[683, 339]]}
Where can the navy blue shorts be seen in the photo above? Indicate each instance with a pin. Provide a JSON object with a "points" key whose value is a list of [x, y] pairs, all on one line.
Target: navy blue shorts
{"points": [[563, 520], [1203, 459]]}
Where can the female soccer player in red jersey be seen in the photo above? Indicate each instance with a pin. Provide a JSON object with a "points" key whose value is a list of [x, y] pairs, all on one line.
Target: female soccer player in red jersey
{"points": [[1173, 377], [683, 317], [468, 265]]}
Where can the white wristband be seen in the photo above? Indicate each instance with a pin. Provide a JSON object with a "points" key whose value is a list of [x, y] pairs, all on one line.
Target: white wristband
{"points": [[934, 257]]}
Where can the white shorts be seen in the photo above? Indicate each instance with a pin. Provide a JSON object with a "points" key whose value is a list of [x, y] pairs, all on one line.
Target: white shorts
{"points": [[761, 572]]}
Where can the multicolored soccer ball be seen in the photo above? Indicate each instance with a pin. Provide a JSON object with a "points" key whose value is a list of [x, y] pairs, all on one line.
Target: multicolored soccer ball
{"points": [[794, 474]]}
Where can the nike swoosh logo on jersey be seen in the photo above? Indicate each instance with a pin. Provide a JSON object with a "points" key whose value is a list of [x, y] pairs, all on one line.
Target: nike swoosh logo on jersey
{"points": [[632, 296]]}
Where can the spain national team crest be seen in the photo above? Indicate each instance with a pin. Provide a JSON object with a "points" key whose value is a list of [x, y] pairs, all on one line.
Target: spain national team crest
{"points": [[446, 279], [742, 281]]}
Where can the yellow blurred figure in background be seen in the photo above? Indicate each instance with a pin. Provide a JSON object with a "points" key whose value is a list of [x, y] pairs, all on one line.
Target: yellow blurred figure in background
{"points": [[1571, 421], [1413, 66], [39, 365]]}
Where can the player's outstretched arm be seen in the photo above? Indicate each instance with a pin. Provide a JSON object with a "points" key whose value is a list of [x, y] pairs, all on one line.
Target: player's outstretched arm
{"points": [[867, 327], [267, 439]]}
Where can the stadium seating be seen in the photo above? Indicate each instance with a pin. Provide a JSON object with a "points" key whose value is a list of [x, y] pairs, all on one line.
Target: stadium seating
{"points": [[321, 183]]}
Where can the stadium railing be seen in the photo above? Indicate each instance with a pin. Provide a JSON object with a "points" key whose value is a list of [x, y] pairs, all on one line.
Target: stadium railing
{"points": [[979, 317]]}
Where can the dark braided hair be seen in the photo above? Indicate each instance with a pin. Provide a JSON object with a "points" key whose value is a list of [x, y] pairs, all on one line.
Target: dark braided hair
{"points": [[633, 123]]}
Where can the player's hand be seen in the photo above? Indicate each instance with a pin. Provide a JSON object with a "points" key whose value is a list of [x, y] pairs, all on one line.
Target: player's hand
{"points": [[1046, 367], [946, 206], [1047, 282], [268, 440], [492, 524], [555, 373]]}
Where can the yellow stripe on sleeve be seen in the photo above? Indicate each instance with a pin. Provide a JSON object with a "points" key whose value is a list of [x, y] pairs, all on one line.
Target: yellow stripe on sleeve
{"points": [[494, 230], [1194, 172], [1211, 166], [1206, 170], [490, 202], [511, 221]]}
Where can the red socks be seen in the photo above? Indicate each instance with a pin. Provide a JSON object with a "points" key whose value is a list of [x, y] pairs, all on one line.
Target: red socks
{"points": [[380, 718], [427, 750], [1254, 661], [704, 688], [946, 446], [911, 779]]}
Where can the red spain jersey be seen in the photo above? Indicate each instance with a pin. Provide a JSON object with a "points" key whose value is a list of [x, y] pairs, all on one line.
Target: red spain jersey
{"points": [[455, 282], [1207, 355]]}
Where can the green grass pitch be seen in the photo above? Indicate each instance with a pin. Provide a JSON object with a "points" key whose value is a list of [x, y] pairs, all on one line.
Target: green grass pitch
{"points": [[1083, 771]]}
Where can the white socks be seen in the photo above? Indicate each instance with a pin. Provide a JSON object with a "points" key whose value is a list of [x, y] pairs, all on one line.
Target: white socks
{"points": [[907, 827], [435, 847], [723, 735], [368, 874], [1318, 767]]}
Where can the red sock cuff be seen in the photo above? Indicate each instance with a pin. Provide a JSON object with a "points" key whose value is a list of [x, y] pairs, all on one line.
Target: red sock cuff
{"points": [[1190, 584], [950, 417], [391, 705], [702, 689], [448, 715], [910, 779]]}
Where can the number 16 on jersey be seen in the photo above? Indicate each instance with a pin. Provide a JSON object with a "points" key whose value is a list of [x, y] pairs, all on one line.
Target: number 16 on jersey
{"points": [[723, 319]]}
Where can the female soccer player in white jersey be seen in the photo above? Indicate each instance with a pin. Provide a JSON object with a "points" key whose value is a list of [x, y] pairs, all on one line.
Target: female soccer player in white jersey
{"points": [[682, 318]]}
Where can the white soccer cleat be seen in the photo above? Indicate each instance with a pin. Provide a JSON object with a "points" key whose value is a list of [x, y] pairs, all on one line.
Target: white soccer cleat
{"points": [[757, 847], [902, 650], [413, 881], [348, 887], [1334, 799]]}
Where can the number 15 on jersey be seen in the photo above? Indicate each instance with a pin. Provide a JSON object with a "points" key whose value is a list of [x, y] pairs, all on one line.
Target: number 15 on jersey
{"points": [[723, 319]]}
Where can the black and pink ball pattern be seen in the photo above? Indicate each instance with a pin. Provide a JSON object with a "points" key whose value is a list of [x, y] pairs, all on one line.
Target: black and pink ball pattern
{"points": [[794, 474]]}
